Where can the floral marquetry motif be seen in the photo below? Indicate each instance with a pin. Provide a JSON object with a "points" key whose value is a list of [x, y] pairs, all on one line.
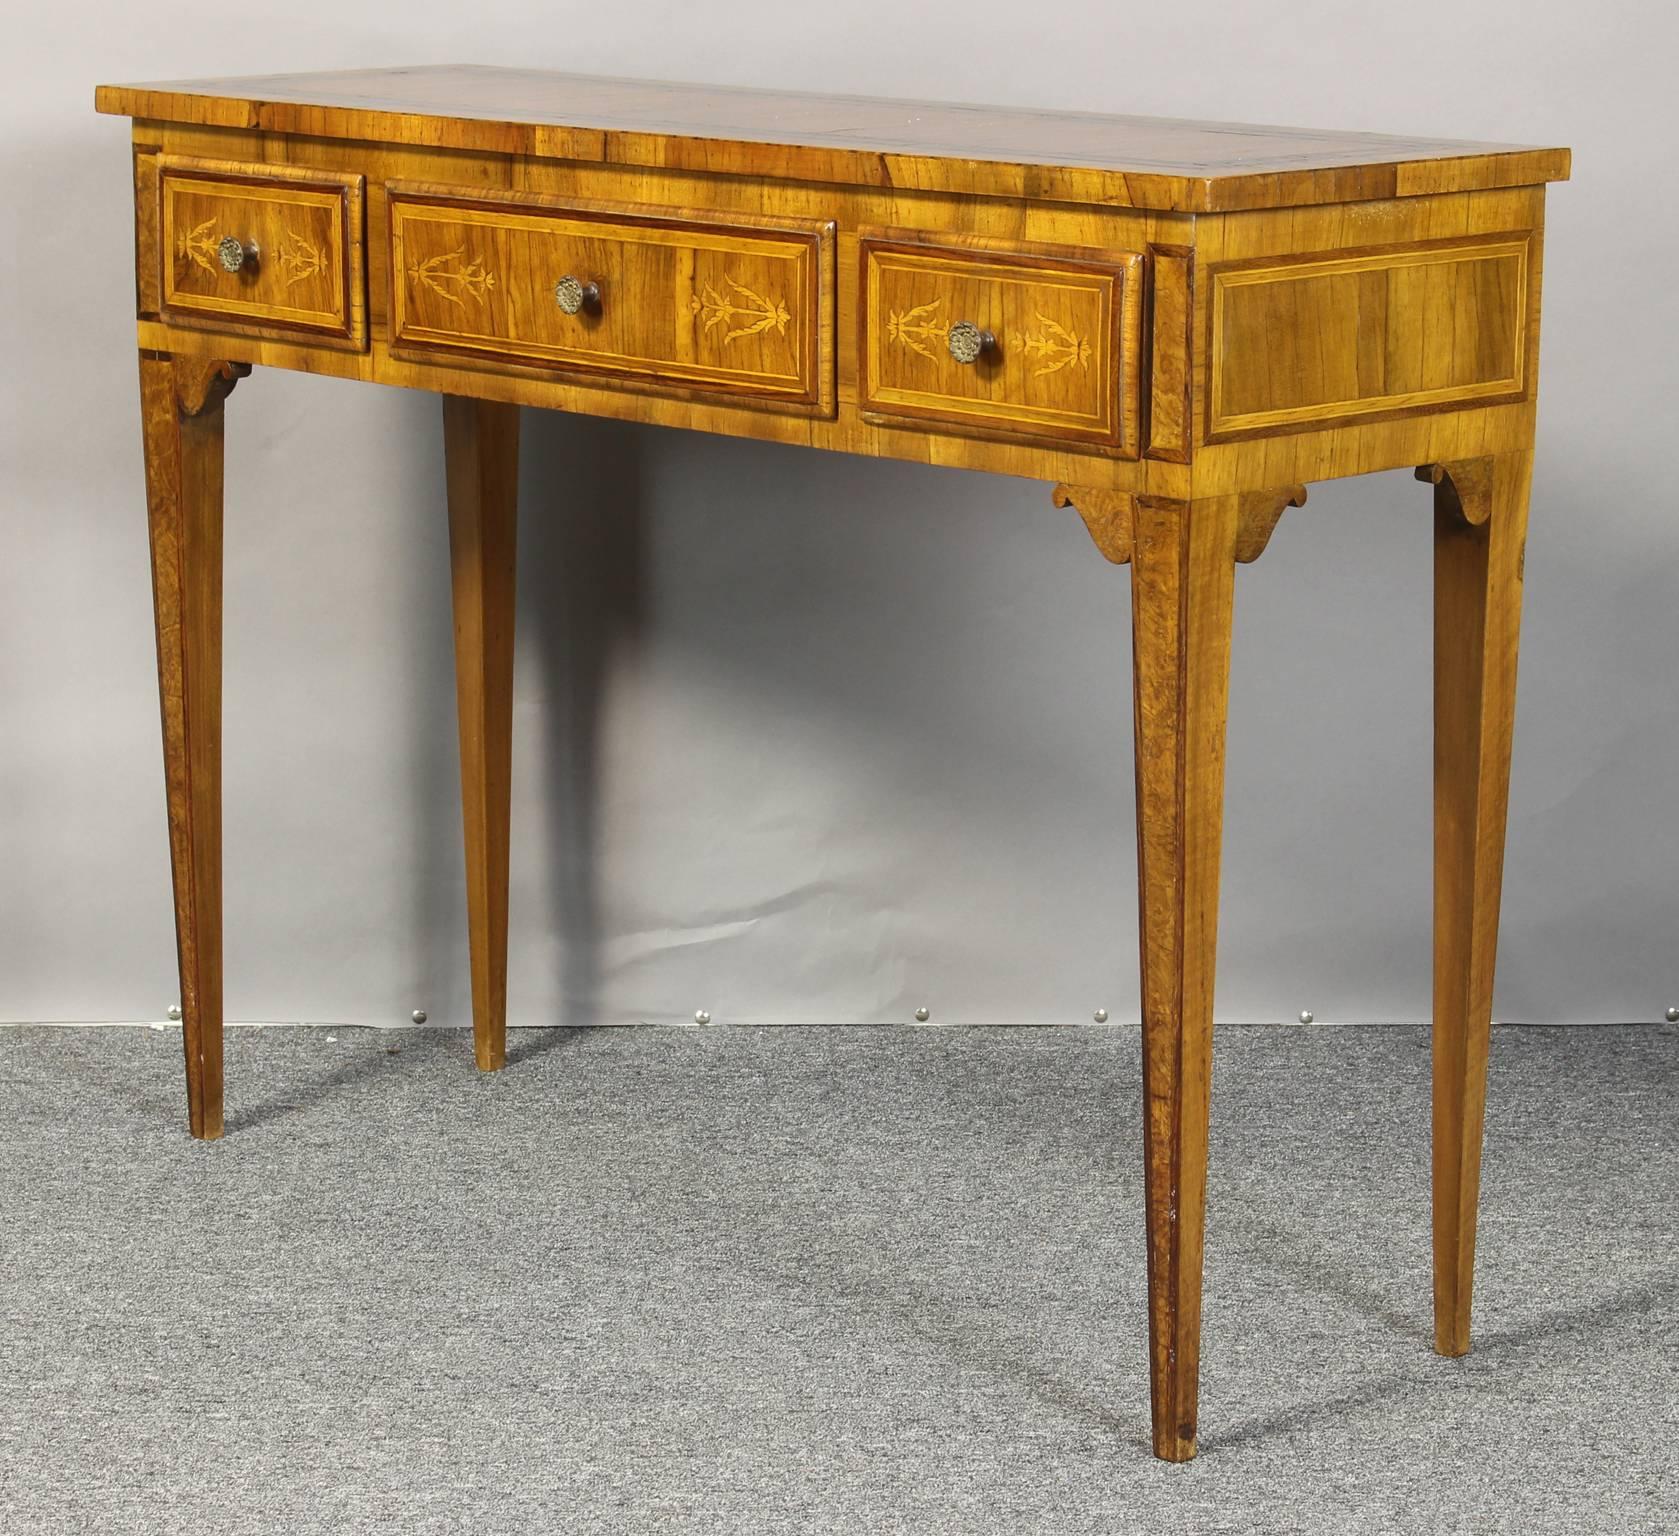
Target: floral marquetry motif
{"points": [[299, 259], [198, 245], [917, 329], [1053, 346], [269, 249], [743, 310], [1050, 325], [698, 303], [452, 275]]}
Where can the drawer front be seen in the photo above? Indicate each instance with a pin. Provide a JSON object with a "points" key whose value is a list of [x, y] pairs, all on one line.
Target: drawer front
{"points": [[266, 248], [685, 303], [1060, 331]]}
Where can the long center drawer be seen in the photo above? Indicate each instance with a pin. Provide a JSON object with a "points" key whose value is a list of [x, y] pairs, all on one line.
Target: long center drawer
{"points": [[724, 305]]}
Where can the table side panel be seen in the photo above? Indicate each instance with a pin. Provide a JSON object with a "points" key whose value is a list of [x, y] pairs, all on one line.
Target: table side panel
{"points": [[1302, 340], [1337, 340]]}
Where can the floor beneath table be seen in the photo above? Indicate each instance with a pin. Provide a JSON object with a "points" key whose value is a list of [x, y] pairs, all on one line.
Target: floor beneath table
{"points": [[817, 1280]]}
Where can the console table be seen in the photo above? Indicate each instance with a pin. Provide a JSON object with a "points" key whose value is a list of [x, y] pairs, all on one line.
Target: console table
{"points": [[1174, 324]]}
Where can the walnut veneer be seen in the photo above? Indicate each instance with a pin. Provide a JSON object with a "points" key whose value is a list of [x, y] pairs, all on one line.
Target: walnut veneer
{"points": [[1176, 325]]}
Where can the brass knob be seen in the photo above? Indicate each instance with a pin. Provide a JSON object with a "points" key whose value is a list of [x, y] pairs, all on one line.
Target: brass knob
{"points": [[234, 253], [966, 341], [573, 294]]}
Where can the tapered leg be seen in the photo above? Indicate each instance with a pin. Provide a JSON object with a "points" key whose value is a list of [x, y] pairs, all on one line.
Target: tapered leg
{"points": [[481, 444], [1480, 532], [181, 417], [1182, 574]]}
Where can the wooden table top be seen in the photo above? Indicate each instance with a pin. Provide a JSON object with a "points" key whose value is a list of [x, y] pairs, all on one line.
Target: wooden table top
{"points": [[1142, 162]]}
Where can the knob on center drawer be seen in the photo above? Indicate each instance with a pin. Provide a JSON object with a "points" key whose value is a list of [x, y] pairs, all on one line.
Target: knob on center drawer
{"points": [[966, 341], [573, 294], [235, 254]]}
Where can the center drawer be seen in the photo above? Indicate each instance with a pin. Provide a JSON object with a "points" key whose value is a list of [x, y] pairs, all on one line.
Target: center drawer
{"points": [[729, 304]]}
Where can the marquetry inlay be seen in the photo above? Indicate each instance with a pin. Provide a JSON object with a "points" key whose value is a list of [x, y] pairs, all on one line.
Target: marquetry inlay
{"points": [[917, 329], [1054, 345], [296, 234], [1067, 329], [1302, 341], [752, 315], [199, 246], [454, 276], [1177, 324], [738, 305], [300, 259]]}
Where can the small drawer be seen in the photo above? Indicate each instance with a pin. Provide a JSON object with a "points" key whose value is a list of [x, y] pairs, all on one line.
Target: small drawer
{"points": [[263, 248], [1026, 340], [664, 299]]}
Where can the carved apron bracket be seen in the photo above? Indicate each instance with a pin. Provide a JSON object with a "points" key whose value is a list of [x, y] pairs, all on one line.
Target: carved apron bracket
{"points": [[1257, 516], [1111, 517], [1463, 487], [201, 386]]}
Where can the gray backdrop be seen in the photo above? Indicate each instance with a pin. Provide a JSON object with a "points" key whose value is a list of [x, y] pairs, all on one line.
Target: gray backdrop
{"points": [[802, 737]]}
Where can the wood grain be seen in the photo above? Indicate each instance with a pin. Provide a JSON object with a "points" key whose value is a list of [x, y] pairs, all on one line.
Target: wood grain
{"points": [[737, 306], [481, 450], [1065, 327], [1182, 579], [181, 421], [1305, 341], [1236, 312], [983, 151], [1171, 347], [1110, 518], [304, 229], [1257, 516], [1480, 535]]}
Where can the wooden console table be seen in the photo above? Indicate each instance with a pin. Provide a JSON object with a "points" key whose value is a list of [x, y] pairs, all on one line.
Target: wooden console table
{"points": [[1174, 324]]}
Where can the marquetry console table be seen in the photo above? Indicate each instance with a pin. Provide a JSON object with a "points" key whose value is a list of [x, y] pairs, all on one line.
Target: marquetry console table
{"points": [[1174, 324]]}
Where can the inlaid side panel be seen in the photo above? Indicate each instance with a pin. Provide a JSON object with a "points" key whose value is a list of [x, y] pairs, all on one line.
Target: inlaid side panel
{"points": [[1304, 342], [1058, 338], [262, 247], [739, 308]]}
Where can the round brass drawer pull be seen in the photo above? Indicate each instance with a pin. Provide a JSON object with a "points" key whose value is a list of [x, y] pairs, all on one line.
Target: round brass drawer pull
{"points": [[572, 294], [966, 341], [234, 254]]}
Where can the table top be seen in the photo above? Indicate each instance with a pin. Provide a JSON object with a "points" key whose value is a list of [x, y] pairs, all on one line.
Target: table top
{"points": [[1142, 162]]}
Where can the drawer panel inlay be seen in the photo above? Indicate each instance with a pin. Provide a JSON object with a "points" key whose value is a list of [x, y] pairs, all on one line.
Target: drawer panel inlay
{"points": [[1008, 339], [1307, 341], [724, 305], [257, 247]]}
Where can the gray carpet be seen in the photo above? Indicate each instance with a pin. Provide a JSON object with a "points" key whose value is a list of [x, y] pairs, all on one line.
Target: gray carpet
{"points": [[842, 1280]]}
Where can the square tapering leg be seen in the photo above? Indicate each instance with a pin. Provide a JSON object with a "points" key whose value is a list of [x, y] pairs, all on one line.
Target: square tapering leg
{"points": [[1182, 577], [181, 417], [1480, 534], [481, 446]]}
